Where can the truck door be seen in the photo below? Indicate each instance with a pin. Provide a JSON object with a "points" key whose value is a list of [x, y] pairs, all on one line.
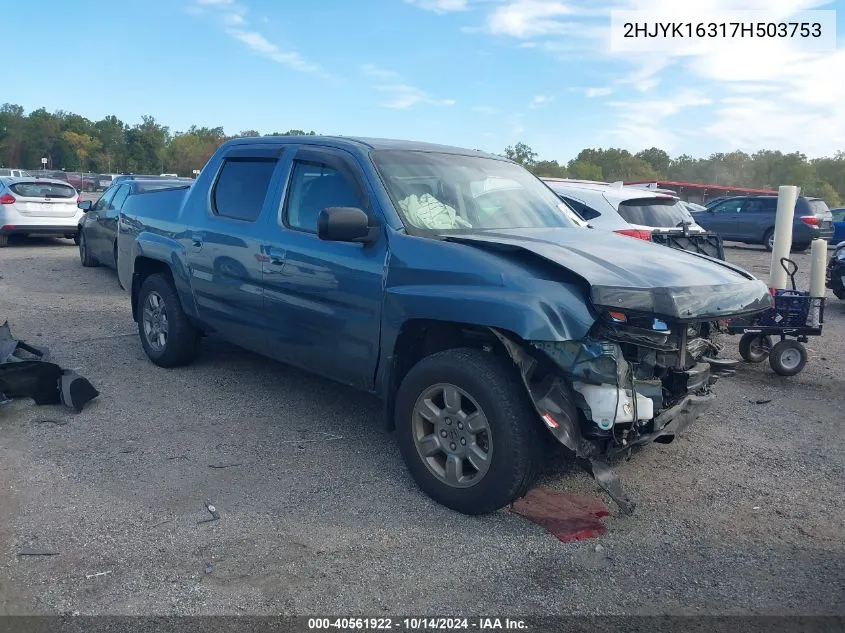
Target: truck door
{"points": [[323, 299], [224, 244]]}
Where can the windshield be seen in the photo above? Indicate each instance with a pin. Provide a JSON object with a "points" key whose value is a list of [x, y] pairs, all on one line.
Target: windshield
{"points": [[658, 212], [449, 192]]}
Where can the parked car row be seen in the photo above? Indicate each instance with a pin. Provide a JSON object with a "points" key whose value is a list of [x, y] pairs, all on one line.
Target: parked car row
{"points": [[751, 219]]}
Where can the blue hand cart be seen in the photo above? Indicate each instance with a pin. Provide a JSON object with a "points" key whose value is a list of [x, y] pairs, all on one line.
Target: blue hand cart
{"points": [[793, 318]]}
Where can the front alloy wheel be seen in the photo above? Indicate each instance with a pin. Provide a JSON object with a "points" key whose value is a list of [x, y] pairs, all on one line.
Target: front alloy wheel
{"points": [[452, 435]]}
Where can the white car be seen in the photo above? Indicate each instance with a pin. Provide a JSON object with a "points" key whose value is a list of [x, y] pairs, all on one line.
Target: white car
{"points": [[5, 172], [638, 213], [38, 206]]}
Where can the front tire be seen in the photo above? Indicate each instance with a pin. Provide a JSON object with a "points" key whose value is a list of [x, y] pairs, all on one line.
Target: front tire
{"points": [[788, 358], [85, 256], [467, 430], [167, 335]]}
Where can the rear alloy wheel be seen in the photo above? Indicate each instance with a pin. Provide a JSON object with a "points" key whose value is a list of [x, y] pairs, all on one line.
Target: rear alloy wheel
{"points": [[85, 256], [754, 348], [166, 334], [467, 430], [788, 358], [769, 240]]}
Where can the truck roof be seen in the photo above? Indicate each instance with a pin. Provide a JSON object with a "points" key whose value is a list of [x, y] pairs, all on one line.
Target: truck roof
{"points": [[358, 143]]}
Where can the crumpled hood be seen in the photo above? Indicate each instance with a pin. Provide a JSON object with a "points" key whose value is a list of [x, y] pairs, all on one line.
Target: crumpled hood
{"points": [[628, 273]]}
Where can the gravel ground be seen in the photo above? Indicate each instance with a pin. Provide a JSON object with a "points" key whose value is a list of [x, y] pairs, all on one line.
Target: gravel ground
{"points": [[742, 515]]}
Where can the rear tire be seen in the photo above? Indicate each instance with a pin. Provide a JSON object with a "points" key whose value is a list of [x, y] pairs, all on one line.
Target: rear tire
{"points": [[769, 240], [491, 397], [754, 348], [788, 358], [167, 335], [88, 260], [800, 248]]}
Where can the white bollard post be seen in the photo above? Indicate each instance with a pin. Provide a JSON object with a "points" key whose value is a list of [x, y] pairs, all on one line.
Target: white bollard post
{"points": [[787, 197], [818, 279], [818, 268]]}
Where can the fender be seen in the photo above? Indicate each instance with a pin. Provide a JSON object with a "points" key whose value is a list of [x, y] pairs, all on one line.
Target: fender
{"points": [[149, 246], [563, 315]]}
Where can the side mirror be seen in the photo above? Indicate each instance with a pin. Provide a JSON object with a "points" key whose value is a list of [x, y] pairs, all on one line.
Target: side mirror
{"points": [[85, 205], [345, 224]]}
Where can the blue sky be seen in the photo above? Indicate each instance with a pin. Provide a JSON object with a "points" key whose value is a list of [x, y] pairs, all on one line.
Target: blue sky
{"points": [[475, 73]]}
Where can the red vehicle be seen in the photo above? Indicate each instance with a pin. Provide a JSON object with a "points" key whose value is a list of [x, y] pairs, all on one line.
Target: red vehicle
{"points": [[82, 182]]}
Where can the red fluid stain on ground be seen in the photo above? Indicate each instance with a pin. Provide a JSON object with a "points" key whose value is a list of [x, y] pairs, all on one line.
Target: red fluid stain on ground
{"points": [[567, 516]]}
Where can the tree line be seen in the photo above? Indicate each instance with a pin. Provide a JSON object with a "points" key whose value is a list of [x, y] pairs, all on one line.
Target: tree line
{"points": [[766, 169], [74, 143]]}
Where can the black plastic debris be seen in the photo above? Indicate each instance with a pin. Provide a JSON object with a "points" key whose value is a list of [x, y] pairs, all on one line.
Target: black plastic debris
{"points": [[26, 373]]}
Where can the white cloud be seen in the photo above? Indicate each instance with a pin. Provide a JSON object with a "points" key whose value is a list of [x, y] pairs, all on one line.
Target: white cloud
{"points": [[440, 6], [642, 123], [485, 109], [401, 95], [530, 18], [259, 44], [380, 73], [233, 17], [773, 94], [539, 100]]}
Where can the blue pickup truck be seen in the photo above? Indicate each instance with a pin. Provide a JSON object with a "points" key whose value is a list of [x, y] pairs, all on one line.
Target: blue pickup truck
{"points": [[453, 284]]}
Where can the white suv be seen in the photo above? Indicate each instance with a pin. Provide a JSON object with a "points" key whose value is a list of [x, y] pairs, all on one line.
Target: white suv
{"points": [[637, 212], [38, 206]]}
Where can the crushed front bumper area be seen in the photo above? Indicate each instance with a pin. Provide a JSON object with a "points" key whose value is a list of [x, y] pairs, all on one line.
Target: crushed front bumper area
{"points": [[555, 375], [26, 373]]}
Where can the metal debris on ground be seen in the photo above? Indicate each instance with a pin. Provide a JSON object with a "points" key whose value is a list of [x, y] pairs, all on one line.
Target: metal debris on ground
{"points": [[225, 465], [100, 573], [26, 373], [215, 515], [209, 568], [567, 516], [28, 551]]}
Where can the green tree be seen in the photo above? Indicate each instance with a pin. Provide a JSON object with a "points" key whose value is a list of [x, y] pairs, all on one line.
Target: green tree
{"points": [[583, 170], [13, 135], [146, 143], [83, 146], [658, 159], [549, 169], [111, 132], [522, 154]]}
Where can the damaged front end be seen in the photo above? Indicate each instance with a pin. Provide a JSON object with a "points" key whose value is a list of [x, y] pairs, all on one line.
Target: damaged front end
{"points": [[632, 380], [26, 373]]}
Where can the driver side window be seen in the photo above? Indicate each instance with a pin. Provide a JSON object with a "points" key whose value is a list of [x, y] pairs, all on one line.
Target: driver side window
{"points": [[105, 200]]}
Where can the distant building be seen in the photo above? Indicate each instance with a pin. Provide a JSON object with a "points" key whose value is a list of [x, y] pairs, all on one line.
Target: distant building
{"points": [[697, 192]]}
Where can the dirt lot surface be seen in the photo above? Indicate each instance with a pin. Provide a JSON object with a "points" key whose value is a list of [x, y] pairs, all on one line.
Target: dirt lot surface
{"points": [[744, 514]]}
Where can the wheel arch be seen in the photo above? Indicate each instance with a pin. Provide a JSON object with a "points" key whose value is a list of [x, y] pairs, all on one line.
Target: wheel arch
{"points": [[419, 338]]}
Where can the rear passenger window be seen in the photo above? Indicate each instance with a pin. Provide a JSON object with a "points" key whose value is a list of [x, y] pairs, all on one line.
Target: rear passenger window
{"points": [[241, 188]]}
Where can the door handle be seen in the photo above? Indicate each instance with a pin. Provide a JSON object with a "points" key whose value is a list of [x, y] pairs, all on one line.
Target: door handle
{"points": [[277, 256], [196, 241]]}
